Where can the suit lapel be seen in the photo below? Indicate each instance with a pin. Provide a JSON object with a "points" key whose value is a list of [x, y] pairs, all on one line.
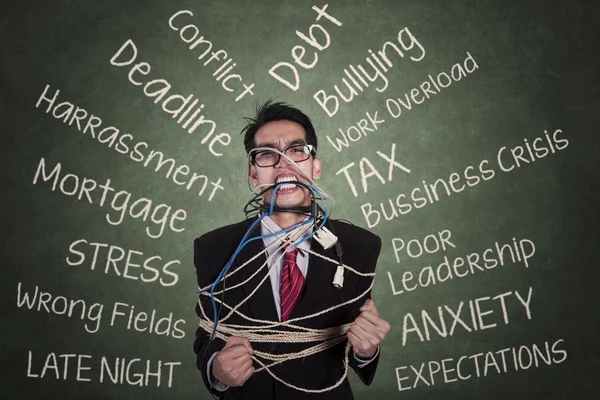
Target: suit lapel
{"points": [[262, 303], [318, 288]]}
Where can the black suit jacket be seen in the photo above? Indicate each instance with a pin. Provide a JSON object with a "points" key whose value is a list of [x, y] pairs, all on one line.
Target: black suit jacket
{"points": [[361, 250]]}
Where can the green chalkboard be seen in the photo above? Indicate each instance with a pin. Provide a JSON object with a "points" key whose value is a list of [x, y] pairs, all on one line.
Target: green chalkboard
{"points": [[464, 134]]}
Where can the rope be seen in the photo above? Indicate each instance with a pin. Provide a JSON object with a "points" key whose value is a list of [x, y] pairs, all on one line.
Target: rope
{"points": [[266, 331]]}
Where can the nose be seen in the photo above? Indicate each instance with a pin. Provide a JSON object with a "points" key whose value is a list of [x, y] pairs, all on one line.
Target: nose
{"points": [[283, 162]]}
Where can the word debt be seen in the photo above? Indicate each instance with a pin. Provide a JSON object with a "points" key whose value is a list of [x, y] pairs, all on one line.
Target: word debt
{"points": [[83, 368], [320, 42]]}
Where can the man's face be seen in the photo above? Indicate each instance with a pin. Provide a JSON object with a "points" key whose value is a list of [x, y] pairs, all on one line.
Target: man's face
{"points": [[280, 135]]}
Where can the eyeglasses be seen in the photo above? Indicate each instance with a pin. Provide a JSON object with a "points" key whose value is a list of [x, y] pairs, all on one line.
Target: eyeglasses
{"points": [[270, 158]]}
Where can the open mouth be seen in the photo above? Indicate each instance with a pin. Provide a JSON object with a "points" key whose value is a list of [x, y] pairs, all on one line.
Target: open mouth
{"points": [[286, 187]]}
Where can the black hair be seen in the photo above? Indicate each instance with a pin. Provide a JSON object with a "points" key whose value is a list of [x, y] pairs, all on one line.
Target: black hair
{"points": [[271, 111]]}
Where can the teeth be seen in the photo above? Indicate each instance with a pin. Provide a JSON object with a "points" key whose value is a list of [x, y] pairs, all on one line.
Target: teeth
{"points": [[287, 186], [286, 179]]}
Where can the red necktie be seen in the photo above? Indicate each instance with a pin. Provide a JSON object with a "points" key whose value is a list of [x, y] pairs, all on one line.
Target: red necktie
{"points": [[292, 282]]}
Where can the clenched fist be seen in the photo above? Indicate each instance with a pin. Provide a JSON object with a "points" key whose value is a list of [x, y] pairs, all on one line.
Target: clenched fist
{"points": [[233, 365], [367, 331]]}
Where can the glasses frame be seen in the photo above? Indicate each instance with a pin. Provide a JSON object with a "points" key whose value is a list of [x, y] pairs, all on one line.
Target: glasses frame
{"points": [[253, 152]]}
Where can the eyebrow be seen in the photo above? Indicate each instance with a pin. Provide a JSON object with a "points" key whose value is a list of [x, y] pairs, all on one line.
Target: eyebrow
{"points": [[295, 142], [272, 145], [288, 144]]}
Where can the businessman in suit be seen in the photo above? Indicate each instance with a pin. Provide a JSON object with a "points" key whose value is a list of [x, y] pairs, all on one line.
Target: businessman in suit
{"points": [[300, 284]]}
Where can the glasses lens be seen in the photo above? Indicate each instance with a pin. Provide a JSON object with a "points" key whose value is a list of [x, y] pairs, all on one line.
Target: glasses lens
{"points": [[298, 153], [265, 158], [269, 158]]}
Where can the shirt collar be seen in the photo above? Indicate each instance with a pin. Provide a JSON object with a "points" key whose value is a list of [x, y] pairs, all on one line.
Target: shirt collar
{"points": [[268, 226]]}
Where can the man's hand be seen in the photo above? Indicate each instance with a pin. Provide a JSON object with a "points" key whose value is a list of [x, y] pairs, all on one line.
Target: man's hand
{"points": [[367, 331], [233, 365]]}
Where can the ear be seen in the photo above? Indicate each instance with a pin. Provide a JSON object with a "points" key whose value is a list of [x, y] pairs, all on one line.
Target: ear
{"points": [[252, 174], [316, 174]]}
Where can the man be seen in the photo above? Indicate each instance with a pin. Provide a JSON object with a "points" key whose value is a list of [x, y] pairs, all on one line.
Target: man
{"points": [[227, 367]]}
